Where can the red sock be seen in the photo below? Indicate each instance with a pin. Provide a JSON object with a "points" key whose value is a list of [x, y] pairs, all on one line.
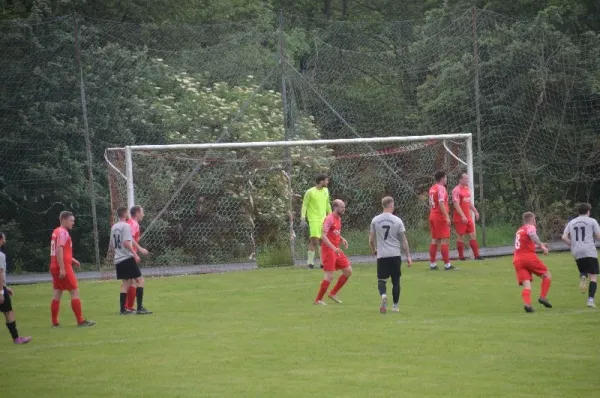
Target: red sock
{"points": [[432, 252], [460, 246], [545, 286], [526, 294], [446, 253], [340, 283], [76, 306], [322, 289], [130, 297], [54, 308], [475, 247]]}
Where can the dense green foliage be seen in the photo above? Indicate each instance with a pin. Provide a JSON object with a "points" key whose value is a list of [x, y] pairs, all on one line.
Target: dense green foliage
{"points": [[178, 71]]}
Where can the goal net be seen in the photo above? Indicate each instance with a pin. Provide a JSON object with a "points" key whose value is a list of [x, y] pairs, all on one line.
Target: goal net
{"points": [[241, 202]]}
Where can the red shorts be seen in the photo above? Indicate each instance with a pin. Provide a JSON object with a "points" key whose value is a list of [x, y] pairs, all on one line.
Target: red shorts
{"points": [[68, 283], [526, 266], [439, 229], [333, 261], [464, 228]]}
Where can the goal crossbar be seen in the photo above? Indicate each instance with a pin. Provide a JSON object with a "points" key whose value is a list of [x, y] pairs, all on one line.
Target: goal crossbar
{"points": [[265, 144]]}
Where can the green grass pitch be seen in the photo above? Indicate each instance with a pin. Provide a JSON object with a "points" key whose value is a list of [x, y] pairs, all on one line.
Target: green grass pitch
{"points": [[257, 334]]}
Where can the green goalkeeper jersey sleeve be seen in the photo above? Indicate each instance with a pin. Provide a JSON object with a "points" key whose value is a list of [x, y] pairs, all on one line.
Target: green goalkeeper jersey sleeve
{"points": [[316, 205]]}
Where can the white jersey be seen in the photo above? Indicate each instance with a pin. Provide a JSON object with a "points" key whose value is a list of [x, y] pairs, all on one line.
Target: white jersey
{"points": [[119, 233], [388, 231], [581, 231]]}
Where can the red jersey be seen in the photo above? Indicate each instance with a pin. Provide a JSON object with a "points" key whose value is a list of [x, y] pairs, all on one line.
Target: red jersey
{"points": [[438, 196], [524, 246], [462, 196], [135, 232], [61, 237], [332, 228]]}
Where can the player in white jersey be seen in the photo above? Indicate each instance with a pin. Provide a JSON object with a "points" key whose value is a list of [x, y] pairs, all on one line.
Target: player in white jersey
{"points": [[126, 260], [579, 234], [386, 237]]}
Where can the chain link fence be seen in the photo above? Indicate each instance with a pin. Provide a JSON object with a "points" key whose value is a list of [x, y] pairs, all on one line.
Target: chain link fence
{"points": [[527, 91]]}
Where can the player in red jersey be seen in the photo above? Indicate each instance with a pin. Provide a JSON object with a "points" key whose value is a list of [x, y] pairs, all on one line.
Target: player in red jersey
{"points": [[137, 215], [463, 221], [526, 262], [61, 269], [439, 222], [332, 257]]}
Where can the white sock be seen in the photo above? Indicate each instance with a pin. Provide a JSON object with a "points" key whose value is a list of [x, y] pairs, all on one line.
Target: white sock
{"points": [[448, 265], [432, 265]]}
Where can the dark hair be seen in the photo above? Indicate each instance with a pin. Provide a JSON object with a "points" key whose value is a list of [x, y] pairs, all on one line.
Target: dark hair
{"points": [[439, 175], [464, 173], [584, 208], [64, 215], [135, 210], [122, 212], [321, 177]]}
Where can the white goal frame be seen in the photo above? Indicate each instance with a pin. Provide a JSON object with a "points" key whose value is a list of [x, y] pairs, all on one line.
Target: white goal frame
{"points": [[129, 178]]}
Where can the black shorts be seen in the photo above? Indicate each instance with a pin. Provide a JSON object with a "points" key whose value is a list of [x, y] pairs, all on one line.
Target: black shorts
{"points": [[6, 306], [128, 269], [389, 267], [588, 265]]}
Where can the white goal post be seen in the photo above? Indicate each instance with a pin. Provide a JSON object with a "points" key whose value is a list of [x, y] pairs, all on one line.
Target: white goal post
{"points": [[192, 182]]}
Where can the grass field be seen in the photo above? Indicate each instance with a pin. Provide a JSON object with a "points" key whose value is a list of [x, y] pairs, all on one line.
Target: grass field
{"points": [[257, 334]]}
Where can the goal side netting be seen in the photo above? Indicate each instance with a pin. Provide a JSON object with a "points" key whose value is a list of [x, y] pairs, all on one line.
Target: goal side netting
{"points": [[241, 202]]}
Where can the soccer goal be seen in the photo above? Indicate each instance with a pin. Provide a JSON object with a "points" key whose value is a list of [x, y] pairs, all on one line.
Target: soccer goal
{"points": [[224, 203]]}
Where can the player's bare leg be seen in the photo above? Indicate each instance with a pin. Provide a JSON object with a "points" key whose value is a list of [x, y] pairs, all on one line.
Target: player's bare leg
{"points": [[546, 281], [592, 290], [141, 310], [460, 246], [11, 324], [313, 242], [346, 274], [327, 278], [474, 246], [433, 248], [76, 307], [583, 282]]}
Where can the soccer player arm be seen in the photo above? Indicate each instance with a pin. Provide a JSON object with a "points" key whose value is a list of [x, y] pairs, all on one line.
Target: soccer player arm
{"points": [[140, 248], [597, 230], [405, 248], [128, 242], [474, 210], [372, 242], [566, 236], [536, 239], [305, 202], [443, 209], [2, 280], [456, 204], [60, 258]]}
